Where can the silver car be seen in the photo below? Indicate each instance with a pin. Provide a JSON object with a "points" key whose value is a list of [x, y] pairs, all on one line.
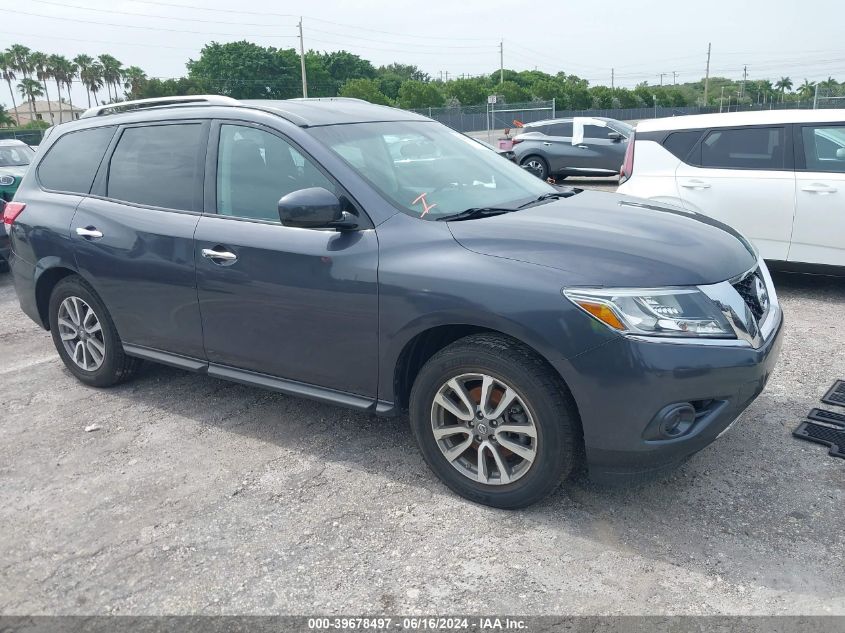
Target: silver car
{"points": [[580, 146]]}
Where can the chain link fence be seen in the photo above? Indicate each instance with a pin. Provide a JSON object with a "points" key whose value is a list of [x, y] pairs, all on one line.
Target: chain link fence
{"points": [[30, 137], [496, 117]]}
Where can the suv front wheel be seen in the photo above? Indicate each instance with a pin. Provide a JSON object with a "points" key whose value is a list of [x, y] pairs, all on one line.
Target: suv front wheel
{"points": [[494, 421], [85, 336]]}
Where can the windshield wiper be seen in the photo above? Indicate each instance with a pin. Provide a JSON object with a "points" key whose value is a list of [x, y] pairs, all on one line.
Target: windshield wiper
{"points": [[475, 212], [552, 195]]}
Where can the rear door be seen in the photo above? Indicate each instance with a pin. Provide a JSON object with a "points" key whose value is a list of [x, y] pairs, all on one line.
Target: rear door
{"points": [[557, 146], [745, 178], [598, 151], [819, 233], [133, 236]]}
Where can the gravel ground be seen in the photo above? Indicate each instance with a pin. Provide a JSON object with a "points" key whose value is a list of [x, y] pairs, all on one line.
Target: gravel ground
{"points": [[200, 496]]}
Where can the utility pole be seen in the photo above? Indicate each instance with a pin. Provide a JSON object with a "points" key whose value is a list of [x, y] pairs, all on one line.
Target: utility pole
{"points": [[302, 62], [744, 78], [612, 78], [674, 78], [661, 77], [501, 61], [707, 75], [721, 97], [447, 75]]}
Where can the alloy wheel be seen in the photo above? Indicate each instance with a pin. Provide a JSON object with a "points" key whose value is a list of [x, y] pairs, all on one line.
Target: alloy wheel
{"points": [[484, 429], [81, 334]]}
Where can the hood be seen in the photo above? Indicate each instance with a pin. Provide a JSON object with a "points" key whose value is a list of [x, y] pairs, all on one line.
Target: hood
{"points": [[605, 239]]}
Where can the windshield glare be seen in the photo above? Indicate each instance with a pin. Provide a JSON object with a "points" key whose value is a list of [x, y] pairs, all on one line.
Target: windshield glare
{"points": [[428, 170], [15, 155]]}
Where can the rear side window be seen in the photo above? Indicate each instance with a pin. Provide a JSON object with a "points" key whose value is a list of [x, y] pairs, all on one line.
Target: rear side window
{"points": [[560, 129], [71, 163], [749, 148], [680, 143], [158, 166]]}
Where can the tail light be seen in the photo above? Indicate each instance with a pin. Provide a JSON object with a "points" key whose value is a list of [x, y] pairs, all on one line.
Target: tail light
{"points": [[628, 163], [517, 140], [12, 211]]}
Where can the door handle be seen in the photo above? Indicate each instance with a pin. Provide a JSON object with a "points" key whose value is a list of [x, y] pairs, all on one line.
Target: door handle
{"points": [[582, 146], [695, 184], [819, 188], [546, 143], [222, 256], [89, 232]]}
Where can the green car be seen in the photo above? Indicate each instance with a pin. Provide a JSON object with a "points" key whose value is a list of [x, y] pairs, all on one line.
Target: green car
{"points": [[15, 157]]}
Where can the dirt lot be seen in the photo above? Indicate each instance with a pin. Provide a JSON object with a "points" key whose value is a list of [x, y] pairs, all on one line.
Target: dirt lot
{"points": [[202, 496]]}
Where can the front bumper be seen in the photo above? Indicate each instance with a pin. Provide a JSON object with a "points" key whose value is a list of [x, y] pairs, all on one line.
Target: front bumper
{"points": [[623, 385]]}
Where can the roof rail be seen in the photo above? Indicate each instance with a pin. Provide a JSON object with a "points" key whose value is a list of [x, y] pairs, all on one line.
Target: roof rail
{"points": [[139, 104]]}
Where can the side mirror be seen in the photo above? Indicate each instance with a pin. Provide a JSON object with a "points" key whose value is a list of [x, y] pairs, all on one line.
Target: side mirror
{"points": [[315, 208], [840, 153], [615, 136]]}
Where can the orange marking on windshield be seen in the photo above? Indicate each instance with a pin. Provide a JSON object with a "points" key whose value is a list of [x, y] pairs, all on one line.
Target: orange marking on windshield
{"points": [[426, 207]]}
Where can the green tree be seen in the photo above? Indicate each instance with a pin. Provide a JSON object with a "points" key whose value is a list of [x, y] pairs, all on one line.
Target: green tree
{"points": [[84, 63], [132, 78], [29, 89], [54, 71], [512, 92], [420, 94], [244, 70], [783, 84], [807, 89], [112, 73], [468, 91], [343, 66], [7, 70], [19, 55], [42, 73], [6, 119], [366, 89], [406, 72]]}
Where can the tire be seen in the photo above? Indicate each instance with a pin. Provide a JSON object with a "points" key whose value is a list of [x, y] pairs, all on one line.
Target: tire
{"points": [[541, 399], [73, 294], [537, 165]]}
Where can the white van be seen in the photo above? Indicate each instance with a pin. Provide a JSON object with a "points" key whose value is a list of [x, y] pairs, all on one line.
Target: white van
{"points": [[777, 176]]}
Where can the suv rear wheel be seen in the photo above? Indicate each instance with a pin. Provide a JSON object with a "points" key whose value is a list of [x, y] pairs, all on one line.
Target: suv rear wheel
{"points": [[85, 336], [494, 422], [536, 165]]}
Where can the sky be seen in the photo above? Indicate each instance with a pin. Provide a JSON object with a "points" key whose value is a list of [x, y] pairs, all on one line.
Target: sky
{"points": [[637, 40]]}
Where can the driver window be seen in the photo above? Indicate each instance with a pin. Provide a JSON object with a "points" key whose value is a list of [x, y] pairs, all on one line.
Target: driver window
{"points": [[255, 169]]}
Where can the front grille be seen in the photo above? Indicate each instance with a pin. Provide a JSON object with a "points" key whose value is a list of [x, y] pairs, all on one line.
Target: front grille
{"points": [[746, 289]]}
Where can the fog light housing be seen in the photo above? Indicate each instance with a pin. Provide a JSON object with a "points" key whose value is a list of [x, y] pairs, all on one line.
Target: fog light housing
{"points": [[671, 422]]}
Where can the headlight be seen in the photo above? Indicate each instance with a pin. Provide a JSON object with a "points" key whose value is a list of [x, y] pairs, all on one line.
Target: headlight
{"points": [[679, 312], [7, 181]]}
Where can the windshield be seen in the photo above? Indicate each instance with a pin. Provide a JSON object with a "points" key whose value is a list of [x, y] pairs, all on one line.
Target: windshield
{"points": [[428, 170], [15, 155]]}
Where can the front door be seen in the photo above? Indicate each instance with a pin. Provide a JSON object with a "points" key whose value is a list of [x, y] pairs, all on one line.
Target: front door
{"points": [[294, 303], [819, 233], [134, 235], [744, 177]]}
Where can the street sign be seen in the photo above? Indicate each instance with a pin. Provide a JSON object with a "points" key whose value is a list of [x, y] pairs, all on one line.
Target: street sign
{"points": [[491, 99]]}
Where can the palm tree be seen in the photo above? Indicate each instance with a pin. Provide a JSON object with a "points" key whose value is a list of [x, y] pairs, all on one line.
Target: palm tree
{"points": [[783, 84], [55, 70], [68, 72], [807, 88], [7, 70], [20, 62], [133, 77], [39, 66], [29, 89], [829, 84], [94, 78], [112, 69], [83, 63]]}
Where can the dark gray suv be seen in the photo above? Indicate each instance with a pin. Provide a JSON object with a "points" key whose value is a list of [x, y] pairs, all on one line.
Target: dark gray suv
{"points": [[583, 146], [375, 259]]}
